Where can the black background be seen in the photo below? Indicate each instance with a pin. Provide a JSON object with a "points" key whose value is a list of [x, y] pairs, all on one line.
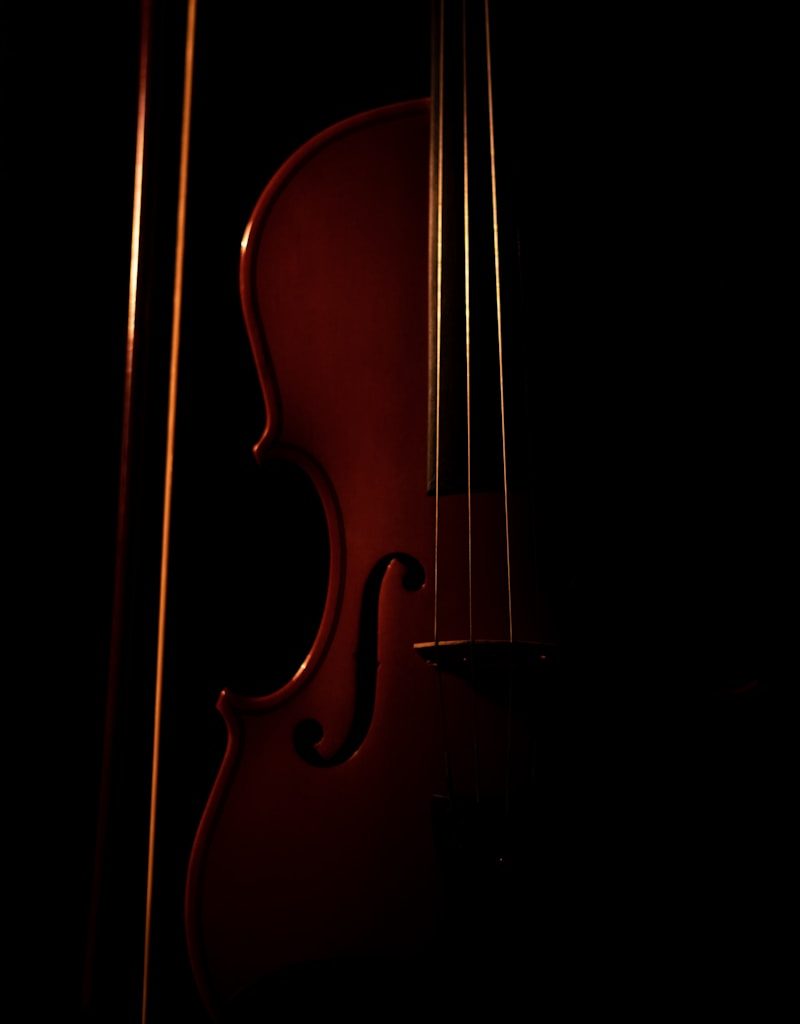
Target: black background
{"points": [[655, 215]]}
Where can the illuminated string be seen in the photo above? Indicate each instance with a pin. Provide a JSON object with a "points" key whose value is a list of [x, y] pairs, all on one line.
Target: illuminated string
{"points": [[439, 218], [467, 325], [123, 510], [498, 302], [168, 476], [468, 356], [496, 240], [436, 214]]}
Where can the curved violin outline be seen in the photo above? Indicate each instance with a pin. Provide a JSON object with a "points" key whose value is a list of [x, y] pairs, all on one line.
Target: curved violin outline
{"points": [[268, 447]]}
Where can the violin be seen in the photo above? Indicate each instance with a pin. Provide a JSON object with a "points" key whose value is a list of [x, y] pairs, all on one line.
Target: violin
{"points": [[386, 817], [372, 817]]}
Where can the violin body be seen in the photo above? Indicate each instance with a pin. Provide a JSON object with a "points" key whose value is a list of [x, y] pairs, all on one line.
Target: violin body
{"points": [[319, 843]]}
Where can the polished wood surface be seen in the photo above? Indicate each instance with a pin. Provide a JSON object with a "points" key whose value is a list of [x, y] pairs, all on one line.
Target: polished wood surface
{"points": [[322, 853]]}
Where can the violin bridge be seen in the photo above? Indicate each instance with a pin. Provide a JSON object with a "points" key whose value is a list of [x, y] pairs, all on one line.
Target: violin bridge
{"points": [[465, 657]]}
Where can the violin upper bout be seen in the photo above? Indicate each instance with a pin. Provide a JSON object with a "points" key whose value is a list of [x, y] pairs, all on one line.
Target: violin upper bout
{"points": [[296, 256]]}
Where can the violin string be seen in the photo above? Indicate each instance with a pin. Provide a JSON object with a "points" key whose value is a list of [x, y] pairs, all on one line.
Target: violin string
{"points": [[168, 476], [439, 117], [437, 165], [467, 339], [468, 357], [504, 439], [499, 311]]}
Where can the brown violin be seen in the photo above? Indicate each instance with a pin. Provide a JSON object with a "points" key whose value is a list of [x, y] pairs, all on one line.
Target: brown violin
{"points": [[372, 818]]}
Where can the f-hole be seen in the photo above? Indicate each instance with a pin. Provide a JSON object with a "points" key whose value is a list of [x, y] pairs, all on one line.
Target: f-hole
{"points": [[308, 733]]}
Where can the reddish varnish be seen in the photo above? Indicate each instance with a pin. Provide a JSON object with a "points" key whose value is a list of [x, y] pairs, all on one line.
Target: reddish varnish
{"points": [[298, 860]]}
